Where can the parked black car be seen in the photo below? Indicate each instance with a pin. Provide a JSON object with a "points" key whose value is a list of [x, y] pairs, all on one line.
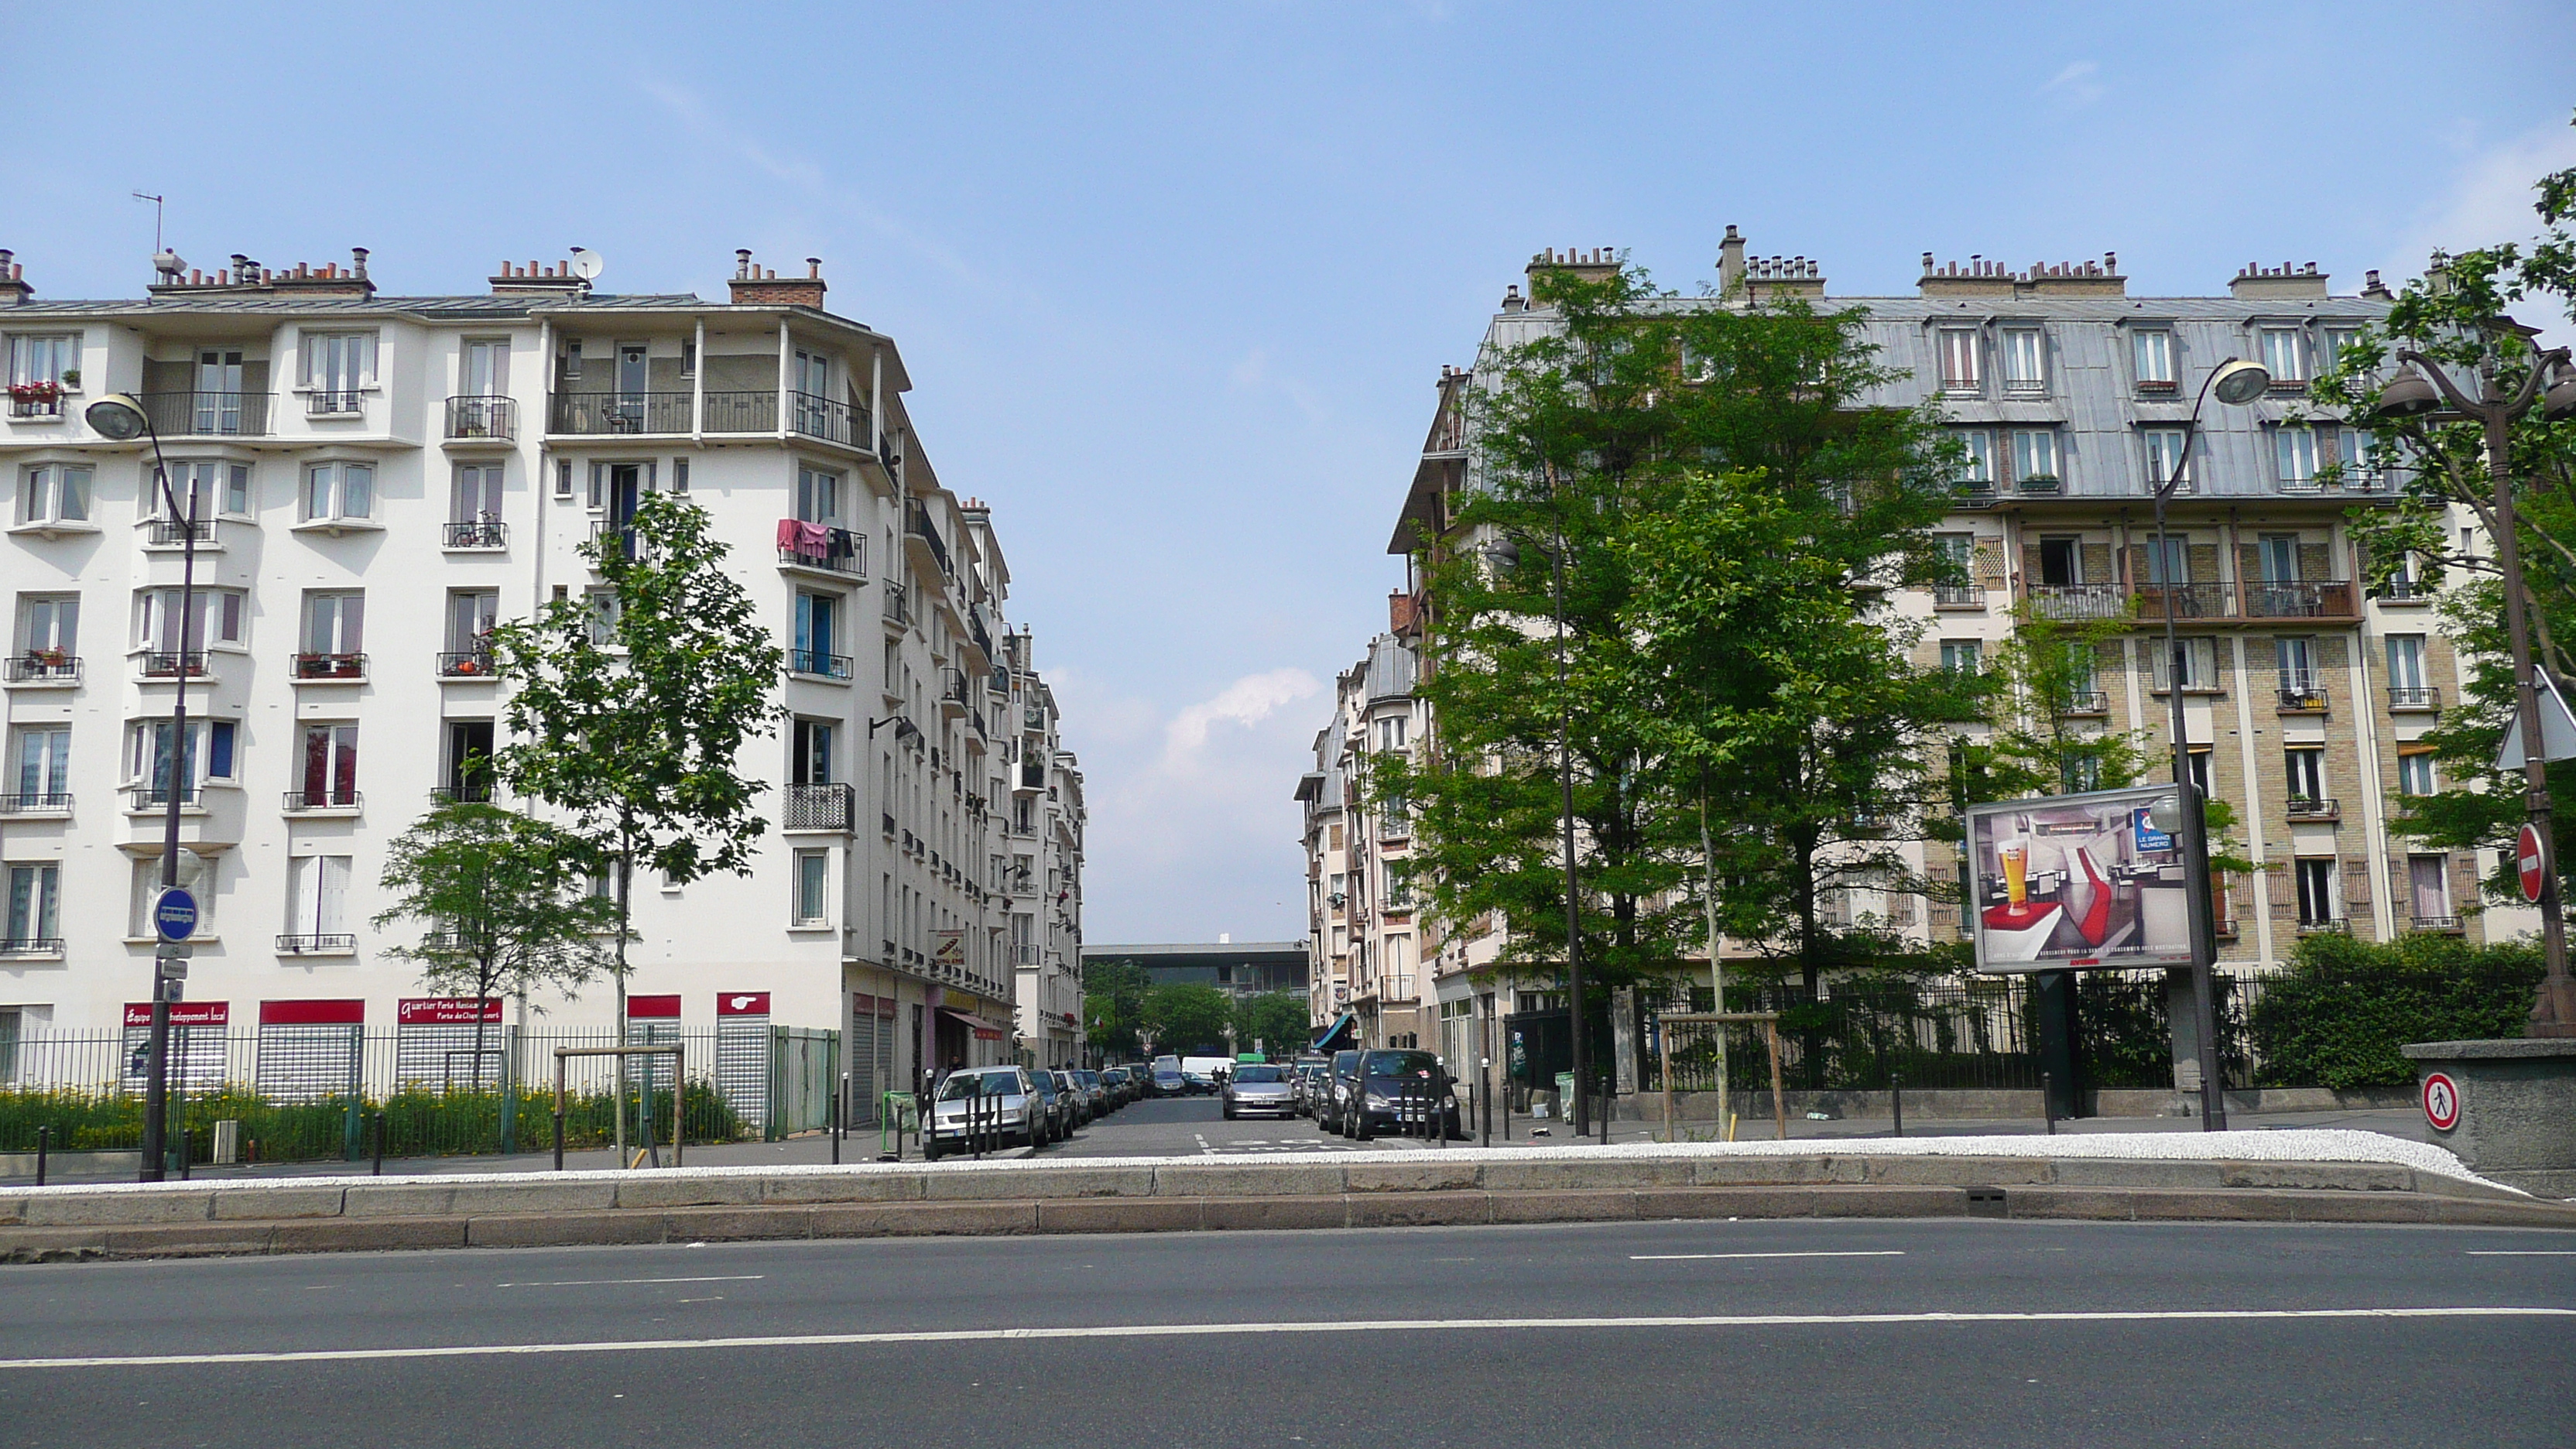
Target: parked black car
{"points": [[1395, 1093], [1334, 1091]]}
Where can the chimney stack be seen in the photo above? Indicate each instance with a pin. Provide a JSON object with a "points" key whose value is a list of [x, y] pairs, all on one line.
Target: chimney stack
{"points": [[13, 280], [1730, 261], [754, 286]]}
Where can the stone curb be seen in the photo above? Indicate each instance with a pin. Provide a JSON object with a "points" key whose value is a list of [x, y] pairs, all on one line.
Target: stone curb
{"points": [[1112, 1213]]}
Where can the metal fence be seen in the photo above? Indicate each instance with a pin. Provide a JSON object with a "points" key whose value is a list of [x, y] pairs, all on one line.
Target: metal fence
{"points": [[1941, 1034], [306, 1092]]}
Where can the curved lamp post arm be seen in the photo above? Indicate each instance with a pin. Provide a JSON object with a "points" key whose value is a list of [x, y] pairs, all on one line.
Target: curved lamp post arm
{"points": [[2522, 395]]}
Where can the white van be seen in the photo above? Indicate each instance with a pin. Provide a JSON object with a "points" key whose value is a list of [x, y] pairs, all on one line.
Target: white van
{"points": [[1206, 1074]]}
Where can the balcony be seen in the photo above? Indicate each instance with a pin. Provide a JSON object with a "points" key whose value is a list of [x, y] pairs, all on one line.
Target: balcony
{"points": [[473, 664], [835, 551], [469, 792], [144, 799], [324, 404], [2320, 599], [2184, 601], [2325, 926], [952, 693], [487, 534], [2437, 925], [1958, 596], [819, 807], [172, 664], [174, 532], [620, 414], [2040, 485], [331, 668], [885, 823], [897, 612], [2078, 601], [2302, 695], [2314, 807], [53, 803], [620, 539], [1032, 775], [828, 419], [482, 419], [818, 664], [206, 414], [31, 946], [324, 943], [975, 630], [42, 667], [917, 524], [338, 799], [2087, 701], [2414, 696]]}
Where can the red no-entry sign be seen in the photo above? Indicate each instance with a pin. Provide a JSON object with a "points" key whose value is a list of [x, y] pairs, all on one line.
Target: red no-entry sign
{"points": [[2532, 863], [2441, 1101]]}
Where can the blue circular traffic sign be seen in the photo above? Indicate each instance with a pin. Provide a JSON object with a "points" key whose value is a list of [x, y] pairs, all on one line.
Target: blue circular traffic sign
{"points": [[174, 914]]}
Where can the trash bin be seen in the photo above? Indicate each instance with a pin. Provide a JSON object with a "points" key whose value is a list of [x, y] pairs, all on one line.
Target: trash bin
{"points": [[1565, 1095]]}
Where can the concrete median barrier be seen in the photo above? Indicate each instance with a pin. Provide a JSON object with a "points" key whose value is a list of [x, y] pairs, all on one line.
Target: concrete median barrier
{"points": [[2249, 1178]]}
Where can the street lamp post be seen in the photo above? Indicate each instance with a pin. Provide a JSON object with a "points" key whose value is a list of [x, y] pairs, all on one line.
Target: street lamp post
{"points": [[121, 418], [2235, 381], [2494, 408]]}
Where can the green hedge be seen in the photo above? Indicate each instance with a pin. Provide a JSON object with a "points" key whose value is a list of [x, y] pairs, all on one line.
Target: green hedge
{"points": [[417, 1123], [2338, 1018]]}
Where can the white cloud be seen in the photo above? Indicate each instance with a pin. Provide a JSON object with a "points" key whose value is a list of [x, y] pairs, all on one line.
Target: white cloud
{"points": [[1247, 701], [2075, 84], [2490, 201]]}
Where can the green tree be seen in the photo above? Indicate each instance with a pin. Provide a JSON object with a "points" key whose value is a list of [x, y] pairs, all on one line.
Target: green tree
{"points": [[2047, 679], [627, 710], [1185, 1017], [2458, 315], [1277, 1020], [488, 885], [1113, 1003], [1602, 449]]}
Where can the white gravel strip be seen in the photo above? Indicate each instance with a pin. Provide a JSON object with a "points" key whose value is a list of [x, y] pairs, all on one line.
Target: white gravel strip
{"points": [[2321, 1144]]}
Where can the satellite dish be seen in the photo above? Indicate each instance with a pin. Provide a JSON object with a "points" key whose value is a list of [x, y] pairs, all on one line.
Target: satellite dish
{"points": [[586, 264]]}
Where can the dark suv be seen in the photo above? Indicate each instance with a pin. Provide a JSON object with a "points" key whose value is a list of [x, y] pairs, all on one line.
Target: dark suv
{"points": [[1396, 1093]]}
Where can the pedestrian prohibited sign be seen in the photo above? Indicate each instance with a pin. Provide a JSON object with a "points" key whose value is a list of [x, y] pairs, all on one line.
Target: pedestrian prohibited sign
{"points": [[2531, 862], [2441, 1101], [174, 914]]}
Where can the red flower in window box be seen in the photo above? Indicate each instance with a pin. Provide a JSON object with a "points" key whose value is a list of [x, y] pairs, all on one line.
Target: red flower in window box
{"points": [[35, 392]]}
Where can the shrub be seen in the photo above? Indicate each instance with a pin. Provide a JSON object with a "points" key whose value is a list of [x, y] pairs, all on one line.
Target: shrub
{"points": [[2339, 1016]]}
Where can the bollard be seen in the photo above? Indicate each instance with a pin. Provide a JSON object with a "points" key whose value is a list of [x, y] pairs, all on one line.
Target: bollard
{"points": [[1896, 1095], [832, 1128], [1485, 1104], [558, 1137], [2048, 1101], [380, 1144], [44, 1141]]}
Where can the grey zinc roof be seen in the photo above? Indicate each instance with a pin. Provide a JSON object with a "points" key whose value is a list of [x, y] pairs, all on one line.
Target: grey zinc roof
{"points": [[436, 308]]}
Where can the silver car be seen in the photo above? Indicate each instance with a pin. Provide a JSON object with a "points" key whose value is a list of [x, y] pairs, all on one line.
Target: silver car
{"points": [[1001, 1093], [1259, 1091]]}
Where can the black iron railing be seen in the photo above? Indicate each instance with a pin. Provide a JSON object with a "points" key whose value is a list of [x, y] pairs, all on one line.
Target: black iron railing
{"points": [[173, 532], [2314, 807], [331, 798], [896, 610], [206, 414], [917, 523], [819, 807], [591, 414], [827, 418], [315, 943], [483, 533], [2088, 701], [331, 666], [172, 663], [814, 661], [2414, 696], [320, 404], [471, 792], [50, 667], [157, 797], [1958, 596], [466, 664], [491, 419], [2185, 601], [24, 804], [2306, 599], [833, 550], [740, 412]]}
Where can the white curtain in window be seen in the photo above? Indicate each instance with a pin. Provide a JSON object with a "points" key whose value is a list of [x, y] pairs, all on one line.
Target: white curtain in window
{"points": [[317, 895]]}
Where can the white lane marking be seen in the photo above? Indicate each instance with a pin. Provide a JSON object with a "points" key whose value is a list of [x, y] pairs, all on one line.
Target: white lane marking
{"points": [[1688, 1256], [2522, 1253], [1203, 1143], [1229, 1330], [620, 1282]]}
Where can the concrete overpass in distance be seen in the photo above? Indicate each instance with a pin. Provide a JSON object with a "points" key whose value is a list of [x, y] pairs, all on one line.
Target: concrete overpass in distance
{"points": [[1245, 968]]}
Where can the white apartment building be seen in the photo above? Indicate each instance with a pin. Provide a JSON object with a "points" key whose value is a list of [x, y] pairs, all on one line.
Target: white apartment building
{"points": [[381, 478], [1366, 978], [1042, 869]]}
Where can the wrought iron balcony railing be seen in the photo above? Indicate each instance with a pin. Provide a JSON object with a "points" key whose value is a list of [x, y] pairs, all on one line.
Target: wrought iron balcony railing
{"points": [[482, 533], [171, 664], [815, 546], [42, 667], [41, 803], [317, 943], [814, 661], [466, 664], [206, 414], [346, 668], [2303, 599], [2414, 696], [484, 419], [337, 797], [819, 807]]}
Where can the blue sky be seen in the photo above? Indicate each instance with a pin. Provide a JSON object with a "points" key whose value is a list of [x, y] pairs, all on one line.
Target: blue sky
{"points": [[1174, 282]]}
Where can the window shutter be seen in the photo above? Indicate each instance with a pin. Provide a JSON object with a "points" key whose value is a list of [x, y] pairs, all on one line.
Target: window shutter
{"points": [[2030, 569], [2283, 889], [2356, 885], [1990, 565], [327, 920], [2466, 890]]}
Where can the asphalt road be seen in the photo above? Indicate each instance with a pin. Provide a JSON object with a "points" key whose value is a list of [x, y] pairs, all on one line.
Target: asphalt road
{"points": [[1812, 1332]]}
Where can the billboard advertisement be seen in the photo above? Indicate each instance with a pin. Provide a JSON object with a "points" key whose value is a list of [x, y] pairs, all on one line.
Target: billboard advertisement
{"points": [[2075, 882]]}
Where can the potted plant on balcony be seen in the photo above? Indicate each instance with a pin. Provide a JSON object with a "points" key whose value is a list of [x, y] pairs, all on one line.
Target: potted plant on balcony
{"points": [[48, 657], [36, 394], [71, 378], [2040, 483]]}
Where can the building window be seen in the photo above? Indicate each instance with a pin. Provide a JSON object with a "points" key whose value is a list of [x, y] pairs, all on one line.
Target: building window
{"points": [[604, 608], [334, 492], [2428, 881], [1958, 359], [204, 490], [471, 615], [1962, 656], [2285, 355], [334, 627], [2034, 454], [2356, 457], [1390, 732], [337, 365], [54, 493], [2406, 661], [818, 636], [2298, 658], [330, 765], [317, 896], [2338, 341], [475, 497], [35, 359], [484, 367], [49, 627], [2316, 891], [818, 495], [2165, 456], [811, 874], [35, 904], [1978, 469], [147, 759], [2306, 772], [2152, 350], [218, 611], [2415, 773], [2195, 659], [2025, 360], [43, 765], [2294, 456], [812, 760]]}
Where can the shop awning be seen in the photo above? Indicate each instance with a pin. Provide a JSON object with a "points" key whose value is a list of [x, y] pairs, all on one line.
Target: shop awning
{"points": [[1331, 1040], [984, 1030]]}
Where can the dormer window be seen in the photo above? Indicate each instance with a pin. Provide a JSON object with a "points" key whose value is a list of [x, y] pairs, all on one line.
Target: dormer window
{"points": [[1959, 370], [2285, 356], [2151, 348], [2025, 360]]}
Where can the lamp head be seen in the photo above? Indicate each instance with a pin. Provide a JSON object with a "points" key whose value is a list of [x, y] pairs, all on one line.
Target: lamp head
{"points": [[2239, 381], [2558, 404], [117, 417], [2407, 395]]}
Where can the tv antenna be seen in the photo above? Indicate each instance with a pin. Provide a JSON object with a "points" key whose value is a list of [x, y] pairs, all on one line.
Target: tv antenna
{"points": [[156, 216]]}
